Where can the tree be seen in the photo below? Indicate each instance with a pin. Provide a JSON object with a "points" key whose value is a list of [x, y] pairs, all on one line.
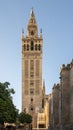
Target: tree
{"points": [[25, 118], [8, 112]]}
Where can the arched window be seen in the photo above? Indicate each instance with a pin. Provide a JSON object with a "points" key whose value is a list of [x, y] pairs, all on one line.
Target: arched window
{"points": [[32, 45], [27, 47], [31, 108], [24, 47], [36, 47], [31, 99], [39, 47], [32, 32]]}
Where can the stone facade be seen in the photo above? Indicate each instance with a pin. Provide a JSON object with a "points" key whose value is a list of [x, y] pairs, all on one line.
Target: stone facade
{"points": [[65, 88], [50, 102], [62, 100], [55, 104], [71, 93]]}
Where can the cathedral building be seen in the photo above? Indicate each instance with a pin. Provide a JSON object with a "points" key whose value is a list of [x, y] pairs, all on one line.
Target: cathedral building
{"points": [[61, 107], [48, 111], [34, 99]]}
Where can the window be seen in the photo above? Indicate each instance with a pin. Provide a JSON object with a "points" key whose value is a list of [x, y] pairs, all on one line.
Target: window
{"points": [[24, 47], [31, 99], [31, 68], [36, 47], [31, 64], [31, 82], [26, 68], [32, 45], [31, 109], [39, 47], [32, 91], [31, 74], [26, 87], [37, 84], [32, 32], [37, 71], [27, 47]]}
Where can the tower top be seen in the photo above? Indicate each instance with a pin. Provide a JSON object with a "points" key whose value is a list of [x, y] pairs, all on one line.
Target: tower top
{"points": [[32, 25], [32, 19]]}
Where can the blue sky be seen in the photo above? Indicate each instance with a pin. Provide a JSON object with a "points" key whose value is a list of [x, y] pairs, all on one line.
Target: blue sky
{"points": [[55, 17]]}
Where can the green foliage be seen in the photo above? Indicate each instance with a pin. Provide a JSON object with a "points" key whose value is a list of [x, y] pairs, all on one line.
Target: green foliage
{"points": [[8, 112], [28, 118], [25, 118]]}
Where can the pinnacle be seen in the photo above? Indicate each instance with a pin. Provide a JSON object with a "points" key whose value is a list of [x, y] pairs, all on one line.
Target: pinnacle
{"points": [[32, 19], [32, 13]]}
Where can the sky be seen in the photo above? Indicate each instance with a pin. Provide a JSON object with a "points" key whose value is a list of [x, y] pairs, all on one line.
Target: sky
{"points": [[55, 17]]}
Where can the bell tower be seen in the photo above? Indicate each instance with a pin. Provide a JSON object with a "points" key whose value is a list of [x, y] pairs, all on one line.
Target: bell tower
{"points": [[32, 69]]}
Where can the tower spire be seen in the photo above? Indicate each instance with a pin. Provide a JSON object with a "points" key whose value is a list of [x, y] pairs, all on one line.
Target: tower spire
{"points": [[32, 25], [32, 17], [32, 12]]}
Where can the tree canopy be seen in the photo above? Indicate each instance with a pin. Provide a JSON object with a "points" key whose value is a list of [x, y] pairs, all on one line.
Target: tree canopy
{"points": [[8, 112], [25, 118]]}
